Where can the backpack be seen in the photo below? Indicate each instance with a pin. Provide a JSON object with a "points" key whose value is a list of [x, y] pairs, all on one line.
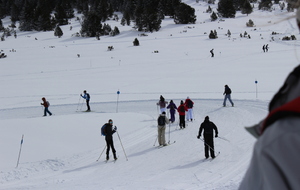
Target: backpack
{"points": [[103, 133], [189, 104], [88, 96], [161, 121], [48, 104]]}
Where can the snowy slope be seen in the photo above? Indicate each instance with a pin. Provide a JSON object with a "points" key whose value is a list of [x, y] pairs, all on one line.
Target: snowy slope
{"points": [[60, 152]]}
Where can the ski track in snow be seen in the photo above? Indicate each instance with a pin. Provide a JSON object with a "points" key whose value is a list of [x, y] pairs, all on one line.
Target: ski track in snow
{"points": [[183, 161]]}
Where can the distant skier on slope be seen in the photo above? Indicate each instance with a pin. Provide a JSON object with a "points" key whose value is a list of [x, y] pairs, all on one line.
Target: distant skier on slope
{"points": [[181, 110], [108, 130], [189, 104], [227, 93], [208, 134], [172, 106], [86, 96], [46, 105], [162, 120], [212, 52], [162, 104]]}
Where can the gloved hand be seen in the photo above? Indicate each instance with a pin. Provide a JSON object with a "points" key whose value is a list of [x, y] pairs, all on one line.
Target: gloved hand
{"points": [[216, 135], [115, 128], [198, 137]]}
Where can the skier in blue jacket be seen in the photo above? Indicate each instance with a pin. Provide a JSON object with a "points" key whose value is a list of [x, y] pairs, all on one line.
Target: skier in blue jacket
{"points": [[86, 96]]}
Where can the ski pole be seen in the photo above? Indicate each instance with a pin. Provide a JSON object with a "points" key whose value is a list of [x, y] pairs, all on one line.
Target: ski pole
{"points": [[169, 128], [169, 132], [81, 105], [101, 154], [78, 103], [224, 139], [207, 144], [155, 140], [122, 146], [20, 151]]}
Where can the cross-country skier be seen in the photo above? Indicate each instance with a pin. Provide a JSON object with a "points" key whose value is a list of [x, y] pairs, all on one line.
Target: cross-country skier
{"points": [[181, 110], [212, 52], [162, 104], [108, 131], [86, 96], [172, 106], [46, 105], [189, 104], [208, 134], [162, 120], [227, 93]]}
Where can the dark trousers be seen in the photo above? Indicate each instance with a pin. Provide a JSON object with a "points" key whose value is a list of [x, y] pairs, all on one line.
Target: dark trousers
{"points": [[46, 110], [182, 121], [88, 105], [172, 113], [209, 146], [110, 144]]}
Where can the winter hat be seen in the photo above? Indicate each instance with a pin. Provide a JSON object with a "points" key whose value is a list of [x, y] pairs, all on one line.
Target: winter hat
{"points": [[164, 113], [207, 118], [188, 97], [181, 102], [110, 121]]}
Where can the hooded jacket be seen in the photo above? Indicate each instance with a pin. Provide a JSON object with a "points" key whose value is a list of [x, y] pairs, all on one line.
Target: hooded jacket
{"points": [[275, 160]]}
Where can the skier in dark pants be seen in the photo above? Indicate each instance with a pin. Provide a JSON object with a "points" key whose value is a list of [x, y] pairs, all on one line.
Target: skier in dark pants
{"points": [[212, 52], [181, 110], [172, 106], [208, 134], [227, 93], [87, 97], [46, 106], [108, 132]]}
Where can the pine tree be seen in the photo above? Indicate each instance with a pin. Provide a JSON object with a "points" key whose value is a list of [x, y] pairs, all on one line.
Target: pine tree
{"points": [[42, 20], [246, 8], [1, 26], [213, 16], [184, 14], [213, 35], [60, 14], [226, 8], [136, 42], [265, 5], [58, 32], [91, 25], [27, 17]]}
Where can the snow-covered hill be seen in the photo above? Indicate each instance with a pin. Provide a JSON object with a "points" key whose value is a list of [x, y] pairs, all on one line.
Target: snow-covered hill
{"points": [[60, 152]]}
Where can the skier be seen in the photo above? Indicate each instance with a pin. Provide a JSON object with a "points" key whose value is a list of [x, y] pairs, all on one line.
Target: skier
{"points": [[162, 104], [172, 106], [189, 104], [227, 94], [86, 96], [264, 48], [267, 47], [208, 134], [181, 110], [108, 131], [275, 158], [162, 120], [46, 105], [212, 52]]}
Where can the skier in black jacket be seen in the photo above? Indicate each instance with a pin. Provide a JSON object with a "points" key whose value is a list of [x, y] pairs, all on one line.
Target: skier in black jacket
{"points": [[208, 134], [108, 132]]}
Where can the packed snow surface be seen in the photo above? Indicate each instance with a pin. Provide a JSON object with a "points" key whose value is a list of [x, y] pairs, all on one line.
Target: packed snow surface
{"points": [[60, 152]]}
